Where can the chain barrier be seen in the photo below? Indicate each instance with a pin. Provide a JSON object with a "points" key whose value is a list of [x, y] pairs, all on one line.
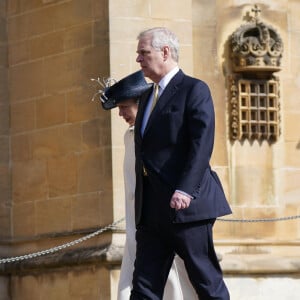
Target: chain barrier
{"points": [[259, 220], [61, 247], [114, 226]]}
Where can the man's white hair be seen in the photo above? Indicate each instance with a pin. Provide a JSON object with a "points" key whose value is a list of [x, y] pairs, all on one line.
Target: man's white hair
{"points": [[160, 37]]}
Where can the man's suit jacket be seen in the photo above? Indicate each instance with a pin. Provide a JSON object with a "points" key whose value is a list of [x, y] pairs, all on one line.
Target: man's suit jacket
{"points": [[176, 147]]}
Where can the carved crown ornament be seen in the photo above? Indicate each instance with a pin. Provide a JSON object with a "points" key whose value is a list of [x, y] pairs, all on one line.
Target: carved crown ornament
{"points": [[256, 46]]}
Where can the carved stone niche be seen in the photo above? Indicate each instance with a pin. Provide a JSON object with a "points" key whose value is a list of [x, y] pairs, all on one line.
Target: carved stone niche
{"points": [[256, 50]]}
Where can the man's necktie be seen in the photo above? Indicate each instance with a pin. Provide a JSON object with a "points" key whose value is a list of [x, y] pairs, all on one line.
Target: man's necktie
{"points": [[150, 107], [155, 97]]}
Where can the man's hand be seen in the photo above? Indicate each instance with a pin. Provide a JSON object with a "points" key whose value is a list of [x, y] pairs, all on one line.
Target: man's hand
{"points": [[180, 201]]}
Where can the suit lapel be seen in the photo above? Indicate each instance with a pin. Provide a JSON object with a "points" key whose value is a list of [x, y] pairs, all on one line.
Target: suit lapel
{"points": [[140, 114], [165, 98]]}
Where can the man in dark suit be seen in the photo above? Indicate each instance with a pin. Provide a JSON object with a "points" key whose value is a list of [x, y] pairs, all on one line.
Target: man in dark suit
{"points": [[178, 196]]}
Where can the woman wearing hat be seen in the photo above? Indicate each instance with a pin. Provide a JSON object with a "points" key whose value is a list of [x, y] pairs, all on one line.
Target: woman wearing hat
{"points": [[125, 95]]}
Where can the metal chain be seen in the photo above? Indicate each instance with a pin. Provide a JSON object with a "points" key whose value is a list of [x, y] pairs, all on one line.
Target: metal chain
{"points": [[259, 220], [113, 226], [60, 247]]}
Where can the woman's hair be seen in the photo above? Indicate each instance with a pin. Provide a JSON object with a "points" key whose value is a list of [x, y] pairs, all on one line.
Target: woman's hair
{"points": [[160, 37]]}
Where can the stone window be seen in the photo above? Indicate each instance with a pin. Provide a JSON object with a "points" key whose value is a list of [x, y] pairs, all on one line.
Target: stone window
{"points": [[254, 109]]}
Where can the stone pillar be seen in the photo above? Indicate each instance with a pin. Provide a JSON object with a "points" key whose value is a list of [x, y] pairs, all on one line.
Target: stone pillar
{"points": [[56, 148], [5, 170]]}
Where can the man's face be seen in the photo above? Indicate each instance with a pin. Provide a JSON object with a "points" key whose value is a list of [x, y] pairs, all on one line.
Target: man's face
{"points": [[128, 110], [150, 59]]}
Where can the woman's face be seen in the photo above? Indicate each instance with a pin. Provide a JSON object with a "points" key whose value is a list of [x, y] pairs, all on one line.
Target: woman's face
{"points": [[128, 110]]}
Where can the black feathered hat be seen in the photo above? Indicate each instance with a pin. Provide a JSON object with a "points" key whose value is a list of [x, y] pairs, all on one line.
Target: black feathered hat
{"points": [[130, 87]]}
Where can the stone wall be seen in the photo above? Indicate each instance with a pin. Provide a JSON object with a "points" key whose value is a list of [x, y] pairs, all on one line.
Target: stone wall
{"points": [[61, 154]]}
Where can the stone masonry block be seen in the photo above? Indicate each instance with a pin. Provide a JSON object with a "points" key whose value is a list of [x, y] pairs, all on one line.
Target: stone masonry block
{"points": [[62, 71], [91, 210], [53, 215], [253, 185], [12, 7], [259, 230], [17, 27], [220, 156], [50, 111], [79, 105], [21, 147], [223, 230], [178, 10], [46, 143], [27, 80], [55, 286], [5, 184], [125, 31], [29, 181], [86, 285], [5, 288], [25, 287], [72, 13], [5, 223], [3, 8], [4, 119], [45, 45], [90, 65], [78, 37], [100, 33], [23, 220], [4, 100], [290, 101], [56, 141], [100, 9], [76, 284], [93, 174], [131, 8], [290, 121], [294, 20], [18, 52], [289, 179], [91, 134], [96, 133], [264, 160], [71, 138], [289, 226], [3, 54], [107, 173], [22, 116], [3, 32], [45, 18], [4, 149], [292, 154], [104, 130], [62, 176]]}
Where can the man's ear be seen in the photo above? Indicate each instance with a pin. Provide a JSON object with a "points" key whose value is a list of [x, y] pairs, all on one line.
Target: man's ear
{"points": [[166, 52]]}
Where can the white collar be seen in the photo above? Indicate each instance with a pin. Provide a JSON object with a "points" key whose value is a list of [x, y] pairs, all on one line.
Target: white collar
{"points": [[167, 78]]}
